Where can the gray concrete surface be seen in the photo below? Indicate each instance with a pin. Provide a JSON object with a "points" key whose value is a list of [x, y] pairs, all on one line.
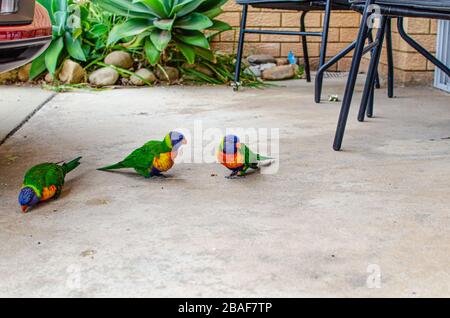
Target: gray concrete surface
{"points": [[16, 104], [325, 225]]}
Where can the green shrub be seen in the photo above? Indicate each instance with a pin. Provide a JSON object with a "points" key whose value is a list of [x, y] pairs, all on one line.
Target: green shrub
{"points": [[66, 17], [163, 24]]}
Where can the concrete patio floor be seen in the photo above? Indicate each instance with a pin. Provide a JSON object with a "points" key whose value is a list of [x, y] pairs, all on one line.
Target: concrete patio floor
{"points": [[325, 225]]}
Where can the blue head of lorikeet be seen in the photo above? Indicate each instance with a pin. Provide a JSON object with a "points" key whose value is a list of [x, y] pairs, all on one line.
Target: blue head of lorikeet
{"points": [[174, 140], [28, 198], [230, 144]]}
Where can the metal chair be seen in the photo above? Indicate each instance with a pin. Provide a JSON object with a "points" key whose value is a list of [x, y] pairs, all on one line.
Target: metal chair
{"points": [[433, 9], [298, 5], [305, 6]]}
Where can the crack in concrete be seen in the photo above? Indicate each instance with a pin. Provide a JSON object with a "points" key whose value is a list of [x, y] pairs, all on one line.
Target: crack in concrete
{"points": [[29, 116]]}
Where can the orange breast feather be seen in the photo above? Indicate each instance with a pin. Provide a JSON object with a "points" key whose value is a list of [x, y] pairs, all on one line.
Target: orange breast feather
{"points": [[231, 161], [48, 193], [164, 162]]}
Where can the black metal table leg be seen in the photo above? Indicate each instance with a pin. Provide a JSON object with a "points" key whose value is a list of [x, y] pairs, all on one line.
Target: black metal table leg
{"points": [[348, 95], [377, 78], [419, 48], [323, 51], [305, 47], [368, 93], [390, 59], [326, 27], [327, 65], [240, 50]]}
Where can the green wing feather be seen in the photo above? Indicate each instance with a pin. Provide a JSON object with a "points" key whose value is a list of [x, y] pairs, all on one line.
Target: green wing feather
{"points": [[47, 174], [251, 158], [141, 158], [43, 176]]}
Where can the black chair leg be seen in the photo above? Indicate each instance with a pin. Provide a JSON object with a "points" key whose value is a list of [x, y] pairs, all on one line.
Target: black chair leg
{"points": [[368, 93], [305, 47], [348, 95], [323, 50], [419, 48], [327, 65], [240, 49], [326, 26], [370, 105], [390, 59], [377, 78]]}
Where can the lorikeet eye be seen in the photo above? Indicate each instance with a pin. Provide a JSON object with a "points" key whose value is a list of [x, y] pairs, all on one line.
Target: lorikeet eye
{"points": [[176, 137]]}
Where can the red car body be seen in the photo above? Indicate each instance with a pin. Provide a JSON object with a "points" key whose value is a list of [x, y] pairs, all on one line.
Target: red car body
{"points": [[25, 32]]}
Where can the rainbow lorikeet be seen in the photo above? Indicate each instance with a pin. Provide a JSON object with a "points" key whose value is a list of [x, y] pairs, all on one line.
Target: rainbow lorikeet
{"points": [[43, 182], [154, 157], [237, 157]]}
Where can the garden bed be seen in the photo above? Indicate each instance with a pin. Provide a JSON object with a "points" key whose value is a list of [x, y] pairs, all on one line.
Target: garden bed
{"points": [[120, 42]]}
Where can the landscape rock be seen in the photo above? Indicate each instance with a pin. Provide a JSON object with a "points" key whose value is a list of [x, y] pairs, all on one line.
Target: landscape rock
{"points": [[24, 73], [172, 73], [49, 78], [9, 77], [72, 73], [204, 70], [258, 69], [200, 68], [261, 59], [253, 70], [282, 61], [145, 74], [104, 76], [280, 72], [120, 59]]}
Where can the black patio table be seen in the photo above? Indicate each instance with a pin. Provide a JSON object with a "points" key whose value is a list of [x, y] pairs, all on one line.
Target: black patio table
{"points": [[434, 9], [305, 6]]}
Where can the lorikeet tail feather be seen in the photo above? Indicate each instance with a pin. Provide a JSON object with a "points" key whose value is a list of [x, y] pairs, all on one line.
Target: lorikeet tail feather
{"points": [[259, 157], [119, 165], [69, 166]]}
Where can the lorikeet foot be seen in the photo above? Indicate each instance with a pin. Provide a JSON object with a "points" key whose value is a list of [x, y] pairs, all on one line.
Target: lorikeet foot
{"points": [[236, 174], [160, 175]]}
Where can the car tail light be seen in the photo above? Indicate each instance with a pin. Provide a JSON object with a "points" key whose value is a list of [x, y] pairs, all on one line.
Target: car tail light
{"points": [[9, 6]]}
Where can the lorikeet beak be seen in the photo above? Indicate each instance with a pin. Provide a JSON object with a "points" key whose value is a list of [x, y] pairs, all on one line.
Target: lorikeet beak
{"points": [[184, 141], [24, 208]]}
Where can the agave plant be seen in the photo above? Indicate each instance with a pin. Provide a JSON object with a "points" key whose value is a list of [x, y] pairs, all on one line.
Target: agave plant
{"points": [[66, 18], [160, 24]]}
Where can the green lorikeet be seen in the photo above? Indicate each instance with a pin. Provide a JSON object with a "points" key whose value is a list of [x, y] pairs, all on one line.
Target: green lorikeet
{"points": [[152, 158], [237, 157], [43, 182]]}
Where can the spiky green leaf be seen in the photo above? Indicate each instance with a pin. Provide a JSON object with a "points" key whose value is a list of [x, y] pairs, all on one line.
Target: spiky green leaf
{"points": [[194, 21], [37, 67], [74, 47], [152, 53], [127, 8], [195, 38], [156, 6], [160, 38], [164, 24], [189, 7], [52, 54], [206, 54], [187, 50], [130, 27]]}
